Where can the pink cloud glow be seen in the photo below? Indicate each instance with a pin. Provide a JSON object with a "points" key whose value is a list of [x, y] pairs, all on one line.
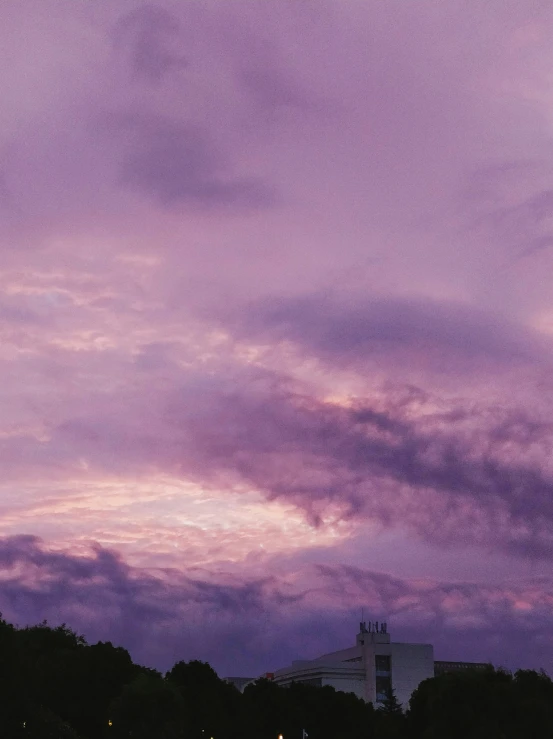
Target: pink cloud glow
{"points": [[276, 324]]}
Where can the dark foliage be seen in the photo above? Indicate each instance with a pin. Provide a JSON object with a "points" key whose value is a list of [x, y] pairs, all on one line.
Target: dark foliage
{"points": [[390, 720], [490, 704], [53, 685], [323, 713]]}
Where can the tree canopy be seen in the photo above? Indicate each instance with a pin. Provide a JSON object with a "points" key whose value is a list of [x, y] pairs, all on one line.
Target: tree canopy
{"points": [[54, 685]]}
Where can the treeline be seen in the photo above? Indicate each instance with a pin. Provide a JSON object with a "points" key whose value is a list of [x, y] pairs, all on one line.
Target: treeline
{"points": [[53, 685]]}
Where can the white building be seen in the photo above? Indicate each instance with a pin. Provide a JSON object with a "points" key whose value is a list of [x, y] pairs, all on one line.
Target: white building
{"points": [[368, 669]]}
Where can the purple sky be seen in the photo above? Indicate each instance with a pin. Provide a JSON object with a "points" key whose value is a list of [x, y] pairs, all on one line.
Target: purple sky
{"points": [[277, 325]]}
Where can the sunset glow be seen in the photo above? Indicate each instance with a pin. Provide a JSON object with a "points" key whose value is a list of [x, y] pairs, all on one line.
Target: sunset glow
{"points": [[276, 326]]}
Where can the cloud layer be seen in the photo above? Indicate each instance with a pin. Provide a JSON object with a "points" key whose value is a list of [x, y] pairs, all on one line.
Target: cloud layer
{"points": [[276, 324], [160, 615]]}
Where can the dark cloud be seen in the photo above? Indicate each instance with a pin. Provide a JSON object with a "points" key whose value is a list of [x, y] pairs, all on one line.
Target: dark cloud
{"points": [[176, 163], [388, 465], [452, 471], [356, 330], [463, 620], [457, 469], [464, 472], [249, 625], [102, 595], [148, 34]]}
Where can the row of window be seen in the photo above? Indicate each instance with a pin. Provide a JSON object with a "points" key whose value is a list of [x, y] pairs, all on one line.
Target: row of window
{"points": [[441, 667], [383, 668], [383, 662]]}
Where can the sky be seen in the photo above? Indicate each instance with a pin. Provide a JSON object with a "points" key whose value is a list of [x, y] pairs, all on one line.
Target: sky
{"points": [[276, 326]]}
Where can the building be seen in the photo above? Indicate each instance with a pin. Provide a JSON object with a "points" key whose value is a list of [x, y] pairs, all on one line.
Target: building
{"points": [[369, 669], [240, 683], [441, 667]]}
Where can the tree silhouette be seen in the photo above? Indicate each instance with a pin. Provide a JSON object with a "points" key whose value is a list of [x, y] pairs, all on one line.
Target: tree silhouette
{"points": [[390, 705], [390, 720], [54, 685], [148, 707]]}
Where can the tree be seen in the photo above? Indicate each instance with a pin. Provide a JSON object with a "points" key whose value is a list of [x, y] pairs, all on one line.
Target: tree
{"points": [[13, 688], [390, 718], [101, 674], [532, 705], [322, 711], [265, 711], [391, 706], [463, 705], [201, 689], [148, 707], [43, 724]]}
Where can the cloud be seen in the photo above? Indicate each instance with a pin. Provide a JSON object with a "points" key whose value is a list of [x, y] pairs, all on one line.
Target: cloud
{"points": [[176, 163], [410, 161], [272, 84], [514, 203], [463, 620], [449, 470], [100, 593], [246, 625], [479, 474], [147, 34], [271, 89], [354, 330]]}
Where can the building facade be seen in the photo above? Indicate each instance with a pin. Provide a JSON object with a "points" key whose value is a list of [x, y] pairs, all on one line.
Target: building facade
{"points": [[442, 667], [369, 669]]}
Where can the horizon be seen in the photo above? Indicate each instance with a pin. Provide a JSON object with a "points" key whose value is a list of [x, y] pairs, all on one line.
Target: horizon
{"points": [[265, 674]]}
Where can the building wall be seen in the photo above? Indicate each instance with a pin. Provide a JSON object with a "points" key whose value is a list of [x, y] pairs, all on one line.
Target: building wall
{"points": [[372, 644], [411, 664], [441, 667], [346, 685], [342, 655], [340, 673], [354, 670]]}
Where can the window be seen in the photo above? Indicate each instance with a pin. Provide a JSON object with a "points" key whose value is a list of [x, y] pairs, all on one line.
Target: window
{"points": [[382, 663], [316, 682], [383, 670], [383, 687]]}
